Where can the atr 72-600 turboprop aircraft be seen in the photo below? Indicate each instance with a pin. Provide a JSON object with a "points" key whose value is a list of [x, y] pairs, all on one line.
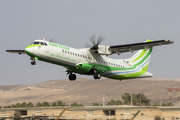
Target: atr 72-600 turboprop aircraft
{"points": [[94, 61]]}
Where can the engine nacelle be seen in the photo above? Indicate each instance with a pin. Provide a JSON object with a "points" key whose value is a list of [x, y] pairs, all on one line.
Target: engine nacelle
{"points": [[104, 50]]}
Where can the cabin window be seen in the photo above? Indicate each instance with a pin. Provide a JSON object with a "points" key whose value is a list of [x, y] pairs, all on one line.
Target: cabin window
{"points": [[71, 53], [75, 54], [63, 51], [68, 52], [80, 55]]}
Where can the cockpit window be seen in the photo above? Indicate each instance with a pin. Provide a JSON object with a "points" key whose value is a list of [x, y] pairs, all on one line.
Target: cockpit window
{"points": [[45, 44], [42, 43], [36, 42]]}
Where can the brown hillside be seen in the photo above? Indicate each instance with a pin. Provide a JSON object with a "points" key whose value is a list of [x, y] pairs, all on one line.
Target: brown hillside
{"points": [[87, 91]]}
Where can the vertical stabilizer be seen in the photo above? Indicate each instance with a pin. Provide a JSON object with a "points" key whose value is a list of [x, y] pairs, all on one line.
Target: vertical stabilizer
{"points": [[142, 58]]}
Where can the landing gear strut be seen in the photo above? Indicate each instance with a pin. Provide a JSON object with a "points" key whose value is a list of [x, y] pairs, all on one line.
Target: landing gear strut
{"points": [[33, 62], [72, 77]]}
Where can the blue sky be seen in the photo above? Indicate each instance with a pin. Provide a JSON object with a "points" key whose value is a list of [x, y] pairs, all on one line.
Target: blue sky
{"points": [[72, 22]]}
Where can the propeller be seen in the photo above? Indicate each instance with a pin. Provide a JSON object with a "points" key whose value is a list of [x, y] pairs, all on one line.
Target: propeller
{"points": [[95, 44]]}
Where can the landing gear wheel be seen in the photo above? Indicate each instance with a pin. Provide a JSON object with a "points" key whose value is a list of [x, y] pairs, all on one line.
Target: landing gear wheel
{"points": [[97, 76], [33, 63], [72, 77]]}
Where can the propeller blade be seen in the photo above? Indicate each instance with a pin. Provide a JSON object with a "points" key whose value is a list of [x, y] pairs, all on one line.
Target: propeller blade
{"points": [[87, 45], [100, 39], [92, 38], [95, 45]]}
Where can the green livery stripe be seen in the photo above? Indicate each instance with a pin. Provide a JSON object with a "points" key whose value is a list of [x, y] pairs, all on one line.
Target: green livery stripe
{"points": [[129, 76], [147, 55], [145, 68], [33, 45], [148, 40], [142, 53]]}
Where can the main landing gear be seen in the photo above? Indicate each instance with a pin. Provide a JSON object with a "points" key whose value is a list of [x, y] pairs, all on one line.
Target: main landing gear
{"points": [[33, 62], [72, 77], [96, 75]]}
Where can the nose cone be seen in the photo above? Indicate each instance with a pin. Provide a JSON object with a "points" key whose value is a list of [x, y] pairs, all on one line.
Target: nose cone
{"points": [[30, 50]]}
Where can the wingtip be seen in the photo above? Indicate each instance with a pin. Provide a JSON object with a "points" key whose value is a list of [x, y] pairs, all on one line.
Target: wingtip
{"points": [[171, 41]]}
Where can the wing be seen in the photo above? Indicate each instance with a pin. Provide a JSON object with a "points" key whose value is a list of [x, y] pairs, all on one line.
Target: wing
{"points": [[137, 46], [16, 51]]}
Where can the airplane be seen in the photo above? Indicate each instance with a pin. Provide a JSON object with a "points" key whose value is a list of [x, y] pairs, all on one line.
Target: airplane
{"points": [[94, 60]]}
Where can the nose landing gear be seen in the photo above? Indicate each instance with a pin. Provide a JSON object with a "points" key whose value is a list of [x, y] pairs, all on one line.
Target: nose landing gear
{"points": [[33, 62]]}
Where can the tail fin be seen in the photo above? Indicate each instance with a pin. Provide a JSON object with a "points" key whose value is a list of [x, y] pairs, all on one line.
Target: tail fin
{"points": [[142, 58]]}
